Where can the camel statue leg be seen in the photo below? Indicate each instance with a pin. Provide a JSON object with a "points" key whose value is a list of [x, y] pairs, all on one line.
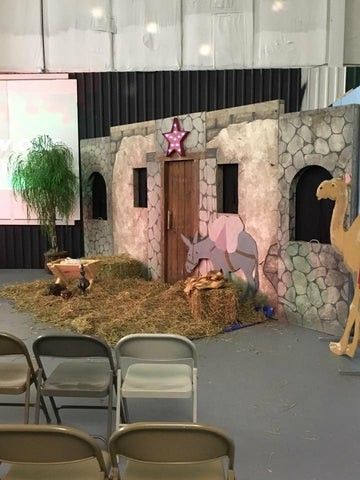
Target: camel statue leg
{"points": [[343, 346], [355, 307]]}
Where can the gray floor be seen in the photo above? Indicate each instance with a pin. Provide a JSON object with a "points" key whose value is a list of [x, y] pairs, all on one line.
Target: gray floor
{"points": [[275, 389]]}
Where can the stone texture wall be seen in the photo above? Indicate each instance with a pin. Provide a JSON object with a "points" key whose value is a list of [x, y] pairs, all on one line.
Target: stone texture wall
{"points": [[208, 198], [155, 260], [314, 286], [253, 145], [95, 157], [313, 283], [130, 223], [219, 119]]}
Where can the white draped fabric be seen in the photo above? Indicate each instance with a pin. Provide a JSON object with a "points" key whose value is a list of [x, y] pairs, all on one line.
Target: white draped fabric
{"points": [[78, 35], [148, 33], [20, 36], [138, 35]]}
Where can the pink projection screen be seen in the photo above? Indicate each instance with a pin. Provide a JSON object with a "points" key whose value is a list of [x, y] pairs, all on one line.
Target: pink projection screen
{"points": [[29, 108]]}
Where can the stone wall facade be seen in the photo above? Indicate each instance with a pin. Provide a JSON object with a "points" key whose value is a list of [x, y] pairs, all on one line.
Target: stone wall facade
{"points": [[218, 137], [313, 283], [95, 156], [208, 197], [308, 279], [155, 261], [130, 145], [314, 286], [247, 136]]}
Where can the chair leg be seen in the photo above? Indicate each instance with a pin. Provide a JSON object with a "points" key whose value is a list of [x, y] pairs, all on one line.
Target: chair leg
{"points": [[40, 399], [37, 383], [45, 410], [195, 395], [118, 399], [56, 410], [27, 397], [38, 395], [126, 410], [110, 404]]}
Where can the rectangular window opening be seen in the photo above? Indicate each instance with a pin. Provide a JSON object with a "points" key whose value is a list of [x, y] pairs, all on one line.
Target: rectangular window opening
{"points": [[227, 188], [140, 187]]}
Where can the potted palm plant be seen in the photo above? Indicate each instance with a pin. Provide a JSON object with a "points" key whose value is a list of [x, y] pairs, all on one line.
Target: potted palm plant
{"points": [[44, 179]]}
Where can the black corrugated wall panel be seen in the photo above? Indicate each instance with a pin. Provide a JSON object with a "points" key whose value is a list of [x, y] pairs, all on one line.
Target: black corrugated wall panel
{"points": [[116, 98], [23, 246]]}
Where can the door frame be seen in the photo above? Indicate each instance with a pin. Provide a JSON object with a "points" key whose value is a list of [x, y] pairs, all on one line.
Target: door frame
{"points": [[195, 157]]}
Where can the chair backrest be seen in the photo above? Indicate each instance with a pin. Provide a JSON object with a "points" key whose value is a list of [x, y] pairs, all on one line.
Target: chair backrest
{"points": [[46, 444], [11, 345], [171, 443], [71, 346], [155, 347]]}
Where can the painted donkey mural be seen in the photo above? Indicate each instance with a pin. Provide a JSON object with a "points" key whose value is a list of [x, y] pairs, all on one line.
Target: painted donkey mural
{"points": [[241, 255]]}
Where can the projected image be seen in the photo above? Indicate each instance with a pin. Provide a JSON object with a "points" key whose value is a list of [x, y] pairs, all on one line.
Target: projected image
{"points": [[29, 108]]}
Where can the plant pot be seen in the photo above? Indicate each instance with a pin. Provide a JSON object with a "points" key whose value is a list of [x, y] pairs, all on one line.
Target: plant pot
{"points": [[51, 256]]}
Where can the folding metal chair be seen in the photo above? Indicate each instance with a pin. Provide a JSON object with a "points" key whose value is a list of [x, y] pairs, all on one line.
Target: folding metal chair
{"points": [[81, 375], [43, 452], [185, 451], [159, 369], [16, 378]]}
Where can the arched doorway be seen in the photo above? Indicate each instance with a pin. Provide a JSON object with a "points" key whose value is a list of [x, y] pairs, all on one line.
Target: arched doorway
{"points": [[312, 217], [98, 196]]}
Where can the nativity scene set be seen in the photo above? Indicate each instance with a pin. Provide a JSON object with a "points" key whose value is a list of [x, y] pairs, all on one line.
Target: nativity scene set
{"points": [[248, 194]]}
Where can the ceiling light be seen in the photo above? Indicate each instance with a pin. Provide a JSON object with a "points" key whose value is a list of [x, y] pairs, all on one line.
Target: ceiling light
{"points": [[152, 27], [277, 5], [97, 12], [205, 49]]}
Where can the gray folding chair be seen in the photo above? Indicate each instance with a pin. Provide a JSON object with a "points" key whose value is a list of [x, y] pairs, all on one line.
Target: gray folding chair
{"points": [[81, 375], [17, 377], [185, 451], [44, 452], [155, 366]]}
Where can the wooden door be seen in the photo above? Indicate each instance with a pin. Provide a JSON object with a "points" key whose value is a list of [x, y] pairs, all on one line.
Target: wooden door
{"points": [[181, 214]]}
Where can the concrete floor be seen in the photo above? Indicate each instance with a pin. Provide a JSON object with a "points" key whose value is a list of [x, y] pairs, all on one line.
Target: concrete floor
{"points": [[275, 389]]}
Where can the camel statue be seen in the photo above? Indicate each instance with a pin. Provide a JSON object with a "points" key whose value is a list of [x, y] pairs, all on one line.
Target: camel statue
{"points": [[347, 244]]}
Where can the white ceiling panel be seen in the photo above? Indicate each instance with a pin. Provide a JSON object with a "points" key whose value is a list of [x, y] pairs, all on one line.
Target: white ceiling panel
{"points": [[148, 35], [20, 36], [78, 35]]}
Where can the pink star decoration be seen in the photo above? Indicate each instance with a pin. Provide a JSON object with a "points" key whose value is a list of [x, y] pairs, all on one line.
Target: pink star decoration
{"points": [[175, 138]]}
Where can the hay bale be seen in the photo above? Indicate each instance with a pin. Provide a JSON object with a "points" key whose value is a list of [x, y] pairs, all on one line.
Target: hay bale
{"points": [[119, 267], [215, 305]]}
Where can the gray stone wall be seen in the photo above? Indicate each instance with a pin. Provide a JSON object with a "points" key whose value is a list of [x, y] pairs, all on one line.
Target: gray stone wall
{"points": [[314, 286], [155, 218], [207, 192], [313, 283], [129, 147], [95, 157], [131, 222]]}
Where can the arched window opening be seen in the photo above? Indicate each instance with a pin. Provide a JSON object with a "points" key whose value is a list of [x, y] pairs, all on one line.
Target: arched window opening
{"points": [[309, 217], [98, 196]]}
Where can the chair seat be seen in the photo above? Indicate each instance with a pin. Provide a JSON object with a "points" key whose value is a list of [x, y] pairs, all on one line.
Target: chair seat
{"points": [[147, 380], [77, 379], [200, 471], [13, 378], [84, 470]]}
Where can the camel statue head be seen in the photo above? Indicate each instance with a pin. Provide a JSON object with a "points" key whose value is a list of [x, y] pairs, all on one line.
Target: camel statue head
{"points": [[333, 189]]}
